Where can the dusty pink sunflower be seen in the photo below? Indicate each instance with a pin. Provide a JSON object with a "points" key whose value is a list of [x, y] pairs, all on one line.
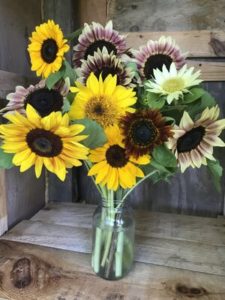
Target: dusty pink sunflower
{"points": [[104, 63], [156, 54], [39, 96], [96, 36], [193, 142]]}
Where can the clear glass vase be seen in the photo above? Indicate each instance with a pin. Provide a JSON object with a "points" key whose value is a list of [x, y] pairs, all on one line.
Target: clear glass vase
{"points": [[113, 240]]}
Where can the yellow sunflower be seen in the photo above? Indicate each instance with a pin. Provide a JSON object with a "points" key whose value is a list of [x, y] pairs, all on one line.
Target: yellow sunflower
{"points": [[113, 167], [102, 101], [47, 48], [48, 141]]}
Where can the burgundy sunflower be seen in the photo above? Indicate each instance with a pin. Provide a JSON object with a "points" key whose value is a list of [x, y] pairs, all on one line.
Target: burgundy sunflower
{"points": [[38, 96], [104, 63], [156, 54], [96, 36], [143, 130]]}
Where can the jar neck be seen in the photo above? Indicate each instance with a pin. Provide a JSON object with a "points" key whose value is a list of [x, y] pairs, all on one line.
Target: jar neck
{"points": [[112, 203]]}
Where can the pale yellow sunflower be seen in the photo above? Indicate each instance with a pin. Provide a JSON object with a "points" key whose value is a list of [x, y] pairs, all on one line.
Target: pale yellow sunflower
{"points": [[112, 166], [48, 141], [102, 101], [172, 83], [193, 142], [47, 49]]}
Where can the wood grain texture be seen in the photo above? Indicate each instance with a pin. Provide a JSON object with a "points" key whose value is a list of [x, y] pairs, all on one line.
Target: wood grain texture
{"points": [[210, 71], [91, 10], [3, 205], [194, 43], [173, 15], [189, 243], [17, 20], [40, 273], [8, 81]]}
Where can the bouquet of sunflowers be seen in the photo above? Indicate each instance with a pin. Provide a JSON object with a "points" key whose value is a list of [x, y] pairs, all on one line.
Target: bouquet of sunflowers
{"points": [[127, 114]]}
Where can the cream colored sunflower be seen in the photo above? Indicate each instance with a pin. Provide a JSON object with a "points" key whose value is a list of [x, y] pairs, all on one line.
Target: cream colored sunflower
{"points": [[48, 141], [172, 83], [102, 101], [112, 166], [47, 49], [193, 142]]}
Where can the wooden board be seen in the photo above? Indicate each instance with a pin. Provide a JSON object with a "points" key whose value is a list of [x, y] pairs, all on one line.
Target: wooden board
{"points": [[40, 273], [8, 82], [184, 242], [195, 43], [3, 205], [173, 15], [91, 10]]}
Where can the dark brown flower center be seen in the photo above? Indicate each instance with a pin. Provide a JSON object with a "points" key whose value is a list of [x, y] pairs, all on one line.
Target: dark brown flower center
{"points": [[143, 132], [45, 101], [116, 156], [156, 62], [99, 44], [98, 109], [49, 50], [105, 71], [44, 143], [190, 140]]}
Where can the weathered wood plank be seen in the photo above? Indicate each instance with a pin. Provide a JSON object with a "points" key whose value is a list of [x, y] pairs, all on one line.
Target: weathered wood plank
{"points": [[167, 251], [210, 71], [91, 10], [47, 273], [158, 225], [8, 82], [173, 15], [3, 209], [15, 28], [195, 43]]}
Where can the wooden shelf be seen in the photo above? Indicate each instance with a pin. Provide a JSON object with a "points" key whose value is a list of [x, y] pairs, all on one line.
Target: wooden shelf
{"points": [[177, 257]]}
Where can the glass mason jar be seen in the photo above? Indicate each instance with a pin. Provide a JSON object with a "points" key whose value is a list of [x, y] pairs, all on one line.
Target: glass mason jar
{"points": [[113, 239]]}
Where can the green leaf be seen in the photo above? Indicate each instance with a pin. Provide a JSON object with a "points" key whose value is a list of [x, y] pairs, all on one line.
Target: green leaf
{"points": [[198, 106], [164, 156], [70, 97], [5, 160], [74, 34], [153, 100], [216, 172], [69, 72], [96, 136], [193, 95], [54, 78]]}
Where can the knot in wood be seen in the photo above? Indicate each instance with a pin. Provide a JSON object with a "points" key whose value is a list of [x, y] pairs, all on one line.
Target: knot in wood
{"points": [[21, 273], [190, 292]]}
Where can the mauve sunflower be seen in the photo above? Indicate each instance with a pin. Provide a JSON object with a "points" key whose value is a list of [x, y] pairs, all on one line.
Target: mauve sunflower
{"points": [[96, 36], [144, 130], [39, 96], [104, 63], [193, 141], [48, 141], [102, 101], [156, 54], [112, 166], [47, 49]]}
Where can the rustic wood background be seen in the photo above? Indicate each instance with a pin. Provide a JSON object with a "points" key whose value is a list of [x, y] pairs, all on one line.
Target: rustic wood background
{"points": [[24, 193], [192, 193]]}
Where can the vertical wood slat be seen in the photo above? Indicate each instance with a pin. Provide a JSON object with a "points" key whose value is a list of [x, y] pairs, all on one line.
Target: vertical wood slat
{"points": [[3, 205], [92, 10]]}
